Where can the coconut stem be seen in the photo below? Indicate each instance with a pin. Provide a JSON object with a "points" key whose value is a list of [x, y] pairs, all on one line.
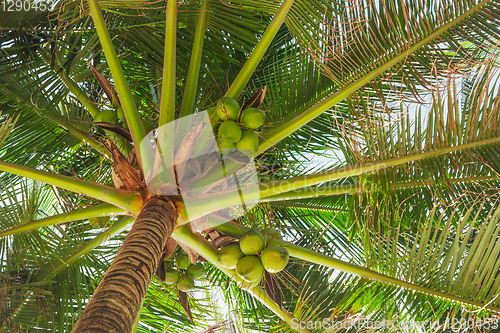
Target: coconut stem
{"points": [[251, 64], [126, 200], [237, 230], [206, 204], [134, 120], [79, 214], [201, 245], [167, 104], [190, 89]]}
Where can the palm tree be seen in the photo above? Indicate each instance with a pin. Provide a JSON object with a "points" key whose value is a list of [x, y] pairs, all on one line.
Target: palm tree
{"points": [[398, 220]]}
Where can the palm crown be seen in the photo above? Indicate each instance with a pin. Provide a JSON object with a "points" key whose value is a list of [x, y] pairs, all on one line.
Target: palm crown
{"points": [[397, 100]]}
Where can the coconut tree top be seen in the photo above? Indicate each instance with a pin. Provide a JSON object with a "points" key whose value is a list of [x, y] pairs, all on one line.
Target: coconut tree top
{"points": [[299, 162]]}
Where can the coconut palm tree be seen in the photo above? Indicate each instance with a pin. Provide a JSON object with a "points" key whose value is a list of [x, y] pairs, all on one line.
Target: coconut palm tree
{"points": [[378, 162]]}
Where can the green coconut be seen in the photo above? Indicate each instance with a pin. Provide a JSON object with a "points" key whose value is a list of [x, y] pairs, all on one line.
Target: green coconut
{"points": [[214, 117], [252, 242], [253, 118], [229, 255], [274, 258], [228, 108], [99, 222], [172, 276], [245, 284], [249, 143], [182, 260], [250, 268], [196, 271], [121, 114], [215, 126], [148, 126], [229, 131], [106, 117], [226, 147], [186, 283]]}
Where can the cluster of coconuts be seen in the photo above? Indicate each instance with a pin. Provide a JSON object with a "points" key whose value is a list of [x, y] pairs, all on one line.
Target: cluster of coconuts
{"points": [[251, 256], [235, 128], [117, 117], [185, 274]]}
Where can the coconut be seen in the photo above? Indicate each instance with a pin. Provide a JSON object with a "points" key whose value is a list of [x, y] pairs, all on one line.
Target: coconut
{"points": [[252, 242], [229, 131], [226, 147], [274, 258], [148, 126], [196, 271], [186, 283], [182, 260], [99, 222], [121, 114], [250, 268], [215, 126], [249, 143], [106, 117], [214, 118], [245, 284], [228, 108], [229, 255], [172, 276], [253, 118]]}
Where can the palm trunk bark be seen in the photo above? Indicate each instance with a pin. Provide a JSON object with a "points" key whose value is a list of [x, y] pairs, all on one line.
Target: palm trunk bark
{"points": [[117, 300]]}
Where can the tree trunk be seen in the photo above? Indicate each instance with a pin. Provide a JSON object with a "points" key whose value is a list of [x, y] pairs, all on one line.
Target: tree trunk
{"points": [[117, 300]]}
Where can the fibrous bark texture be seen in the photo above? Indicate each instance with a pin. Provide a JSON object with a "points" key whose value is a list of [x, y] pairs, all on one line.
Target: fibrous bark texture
{"points": [[117, 300]]}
